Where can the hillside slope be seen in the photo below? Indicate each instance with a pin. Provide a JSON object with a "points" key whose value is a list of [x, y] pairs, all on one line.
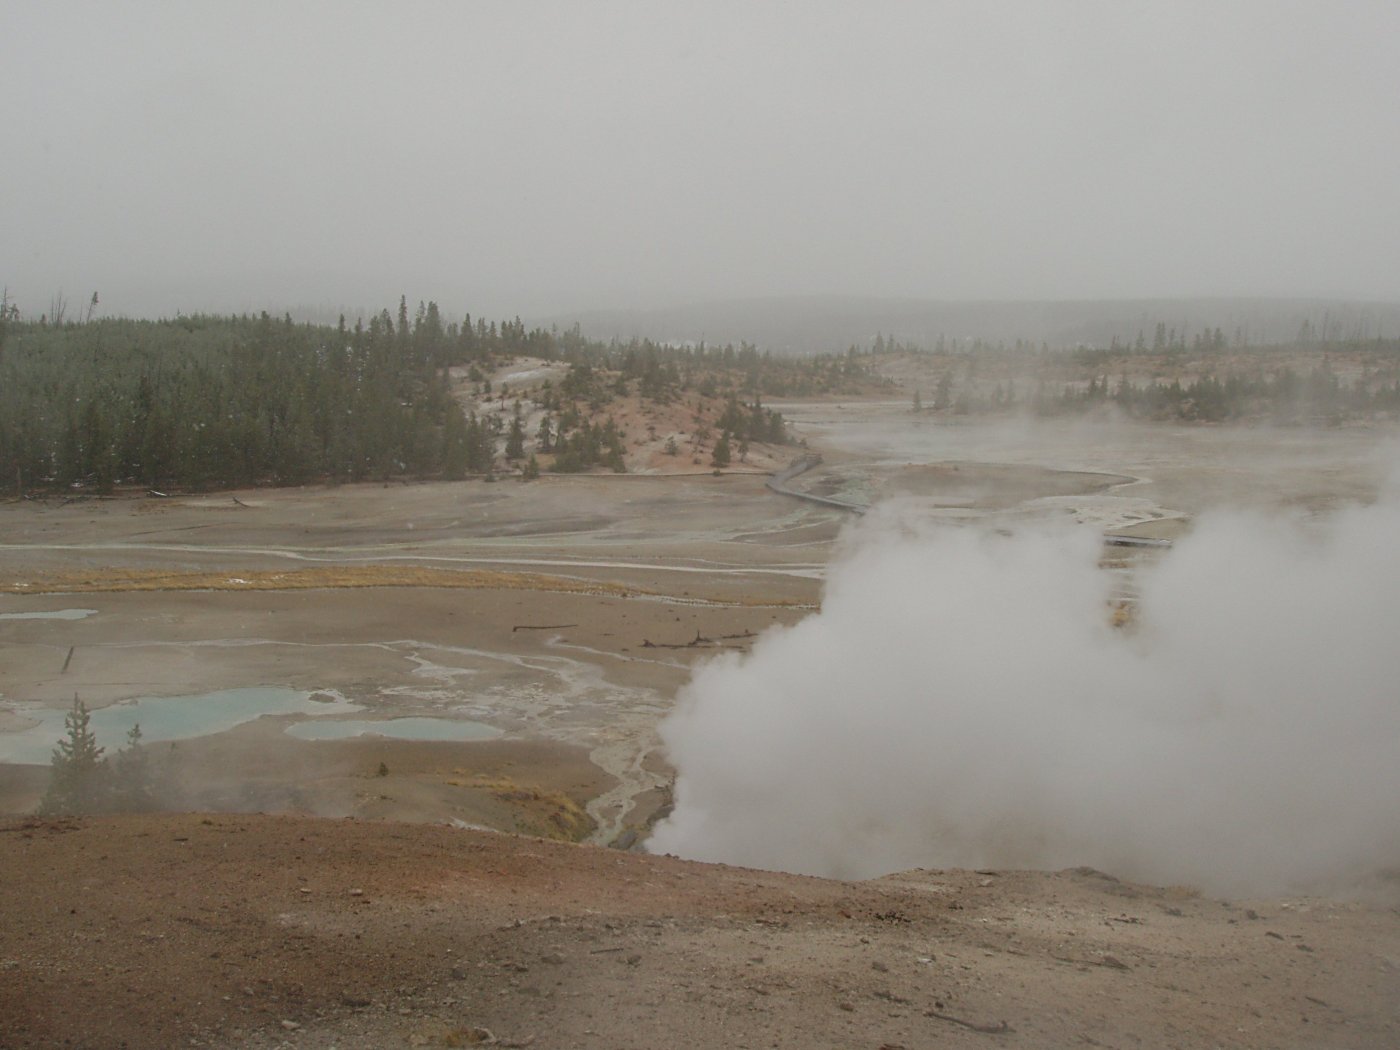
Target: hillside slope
{"points": [[249, 930]]}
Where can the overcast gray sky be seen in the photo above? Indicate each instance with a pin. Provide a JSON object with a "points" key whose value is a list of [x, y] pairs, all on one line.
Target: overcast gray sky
{"points": [[530, 157]]}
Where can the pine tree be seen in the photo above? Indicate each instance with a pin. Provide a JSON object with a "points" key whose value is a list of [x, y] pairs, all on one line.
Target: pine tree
{"points": [[4, 319], [132, 789], [456, 451], [720, 456], [943, 397], [515, 440], [77, 780]]}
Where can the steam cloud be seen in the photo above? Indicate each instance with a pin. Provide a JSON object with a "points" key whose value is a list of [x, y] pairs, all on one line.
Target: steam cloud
{"points": [[962, 701]]}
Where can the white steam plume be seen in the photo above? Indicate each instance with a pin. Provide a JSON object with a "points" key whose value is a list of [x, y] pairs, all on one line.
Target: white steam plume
{"points": [[961, 701]]}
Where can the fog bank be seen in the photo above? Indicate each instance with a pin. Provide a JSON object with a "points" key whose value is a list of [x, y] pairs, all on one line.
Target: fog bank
{"points": [[962, 701]]}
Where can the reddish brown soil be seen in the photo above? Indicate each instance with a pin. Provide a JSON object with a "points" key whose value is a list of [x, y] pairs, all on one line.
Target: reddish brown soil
{"points": [[249, 930]]}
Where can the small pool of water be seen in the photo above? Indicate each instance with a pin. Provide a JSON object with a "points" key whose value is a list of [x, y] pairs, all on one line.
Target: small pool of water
{"points": [[55, 614], [397, 728], [163, 718]]}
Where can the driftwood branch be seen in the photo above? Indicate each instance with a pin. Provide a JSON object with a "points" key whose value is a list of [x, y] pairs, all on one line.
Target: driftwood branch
{"points": [[698, 642], [238, 501], [541, 627], [989, 1029], [1107, 961]]}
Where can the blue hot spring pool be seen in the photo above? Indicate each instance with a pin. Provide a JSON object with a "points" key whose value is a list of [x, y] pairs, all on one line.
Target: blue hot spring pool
{"points": [[163, 718]]}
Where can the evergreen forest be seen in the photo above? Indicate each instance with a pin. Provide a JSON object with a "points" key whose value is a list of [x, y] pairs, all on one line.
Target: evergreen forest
{"points": [[205, 402]]}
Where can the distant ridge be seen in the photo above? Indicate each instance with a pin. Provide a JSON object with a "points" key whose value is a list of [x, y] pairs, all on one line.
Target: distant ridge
{"points": [[805, 325]]}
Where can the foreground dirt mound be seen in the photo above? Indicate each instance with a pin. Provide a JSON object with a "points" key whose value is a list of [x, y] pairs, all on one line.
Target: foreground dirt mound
{"points": [[228, 931]]}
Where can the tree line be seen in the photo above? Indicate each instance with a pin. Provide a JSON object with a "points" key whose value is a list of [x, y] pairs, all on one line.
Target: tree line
{"points": [[208, 401], [204, 402], [1283, 395]]}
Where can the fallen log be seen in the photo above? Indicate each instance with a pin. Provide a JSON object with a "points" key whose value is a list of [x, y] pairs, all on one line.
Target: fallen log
{"points": [[990, 1029], [694, 643]]}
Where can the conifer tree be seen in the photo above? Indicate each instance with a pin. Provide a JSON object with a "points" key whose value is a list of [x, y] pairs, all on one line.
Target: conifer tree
{"points": [[515, 440], [456, 448], [77, 781], [132, 789]]}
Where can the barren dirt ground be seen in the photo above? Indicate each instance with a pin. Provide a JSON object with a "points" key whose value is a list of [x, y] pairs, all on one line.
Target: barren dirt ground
{"points": [[566, 613], [244, 930]]}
